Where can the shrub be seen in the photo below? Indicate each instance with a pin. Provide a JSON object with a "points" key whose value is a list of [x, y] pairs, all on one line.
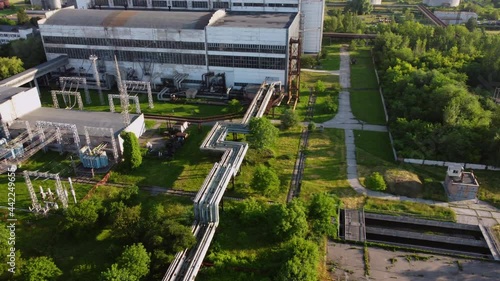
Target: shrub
{"points": [[308, 61], [376, 182], [311, 127], [289, 119]]}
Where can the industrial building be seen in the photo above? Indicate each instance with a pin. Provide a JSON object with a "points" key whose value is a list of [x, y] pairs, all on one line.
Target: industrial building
{"points": [[158, 45], [10, 33], [311, 11]]}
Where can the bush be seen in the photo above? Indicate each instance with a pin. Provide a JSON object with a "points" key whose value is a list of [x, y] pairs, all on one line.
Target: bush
{"points": [[311, 127], [289, 119], [131, 150], [376, 182], [308, 61]]}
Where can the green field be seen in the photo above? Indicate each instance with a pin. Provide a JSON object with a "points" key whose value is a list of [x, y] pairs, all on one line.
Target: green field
{"points": [[363, 71], [332, 59], [179, 108], [367, 106], [400, 208], [186, 171]]}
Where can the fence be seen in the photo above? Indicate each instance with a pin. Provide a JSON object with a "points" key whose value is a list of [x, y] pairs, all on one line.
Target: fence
{"points": [[446, 164]]}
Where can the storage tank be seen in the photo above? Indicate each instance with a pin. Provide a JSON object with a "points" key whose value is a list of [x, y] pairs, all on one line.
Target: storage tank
{"points": [[6, 3], [54, 4], [439, 3]]}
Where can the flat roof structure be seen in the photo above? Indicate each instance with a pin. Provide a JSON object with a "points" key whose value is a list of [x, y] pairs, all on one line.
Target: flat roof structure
{"points": [[128, 18], [80, 118], [8, 92], [256, 20]]}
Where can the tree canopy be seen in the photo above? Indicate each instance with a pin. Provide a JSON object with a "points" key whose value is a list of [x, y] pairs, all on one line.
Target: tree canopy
{"points": [[265, 180], [132, 265], [10, 66], [40, 269], [132, 156], [264, 133]]}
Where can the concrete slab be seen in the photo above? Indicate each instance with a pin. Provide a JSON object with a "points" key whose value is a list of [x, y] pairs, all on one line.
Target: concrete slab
{"points": [[467, 219], [495, 215], [483, 214], [488, 221], [462, 211]]}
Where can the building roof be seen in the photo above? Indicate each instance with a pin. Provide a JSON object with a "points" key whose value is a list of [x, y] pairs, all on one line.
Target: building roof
{"points": [[80, 118], [129, 18], [13, 28], [256, 20], [7, 92]]}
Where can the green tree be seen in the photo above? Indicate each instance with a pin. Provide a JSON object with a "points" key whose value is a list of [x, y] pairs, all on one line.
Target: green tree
{"points": [[471, 24], [376, 182], [263, 133], [127, 220], [320, 86], [264, 179], [30, 51], [6, 21], [289, 119], [131, 151], [132, 265], [289, 220], [40, 269], [321, 211], [81, 217], [308, 61], [10, 66], [4, 247], [301, 261], [235, 106], [22, 16], [360, 7]]}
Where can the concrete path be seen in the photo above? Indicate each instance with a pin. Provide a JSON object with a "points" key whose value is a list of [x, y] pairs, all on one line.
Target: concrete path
{"points": [[332, 72], [468, 212]]}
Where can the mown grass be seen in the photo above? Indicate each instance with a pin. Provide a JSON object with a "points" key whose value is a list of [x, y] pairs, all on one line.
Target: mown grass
{"points": [[308, 80], [282, 162], [393, 207], [186, 171], [332, 59], [52, 162], [374, 154], [325, 169], [363, 71], [367, 106], [179, 108]]}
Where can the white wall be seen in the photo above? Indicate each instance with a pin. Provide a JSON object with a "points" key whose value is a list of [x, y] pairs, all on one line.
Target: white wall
{"points": [[137, 126], [19, 105], [246, 35], [313, 16]]}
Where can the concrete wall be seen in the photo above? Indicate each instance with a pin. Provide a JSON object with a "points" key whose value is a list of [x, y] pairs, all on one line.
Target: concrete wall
{"points": [[376, 2], [313, 12], [20, 104], [137, 126], [437, 3], [455, 17], [461, 191]]}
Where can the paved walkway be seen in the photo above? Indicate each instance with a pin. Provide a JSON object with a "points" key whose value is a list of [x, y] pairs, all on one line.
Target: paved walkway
{"points": [[468, 212]]}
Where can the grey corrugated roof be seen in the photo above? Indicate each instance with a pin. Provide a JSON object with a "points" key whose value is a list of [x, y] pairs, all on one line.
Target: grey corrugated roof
{"points": [[256, 20], [128, 18]]}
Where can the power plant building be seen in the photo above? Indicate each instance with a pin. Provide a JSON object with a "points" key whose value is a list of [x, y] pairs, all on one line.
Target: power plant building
{"points": [[154, 45], [311, 11]]}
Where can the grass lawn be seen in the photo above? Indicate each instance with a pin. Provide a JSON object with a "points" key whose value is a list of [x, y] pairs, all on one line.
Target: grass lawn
{"points": [[392, 207], [363, 72], [180, 108], [332, 59], [325, 169], [374, 154], [308, 80], [489, 186], [367, 106], [186, 171], [52, 162], [285, 153], [22, 195]]}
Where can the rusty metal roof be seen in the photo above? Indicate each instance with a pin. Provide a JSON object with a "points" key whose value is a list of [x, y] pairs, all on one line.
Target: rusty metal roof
{"points": [[129, 18]]}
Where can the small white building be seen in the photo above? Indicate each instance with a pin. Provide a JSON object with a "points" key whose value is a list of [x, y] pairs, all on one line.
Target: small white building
{"points": [[16, 102], [10, 33], [443, 3], [455, 17]]}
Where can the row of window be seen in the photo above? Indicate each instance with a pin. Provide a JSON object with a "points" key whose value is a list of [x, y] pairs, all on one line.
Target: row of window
{"points": [[196, 4], [174, 58], [253, 48], [124, 43]]}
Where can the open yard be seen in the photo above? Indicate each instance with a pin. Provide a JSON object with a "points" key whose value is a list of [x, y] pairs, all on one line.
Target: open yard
{"points": [[392, 207], [332, 57], [325, 169], [179, 108], [363, 72], [367, 106], [186, 171]]}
